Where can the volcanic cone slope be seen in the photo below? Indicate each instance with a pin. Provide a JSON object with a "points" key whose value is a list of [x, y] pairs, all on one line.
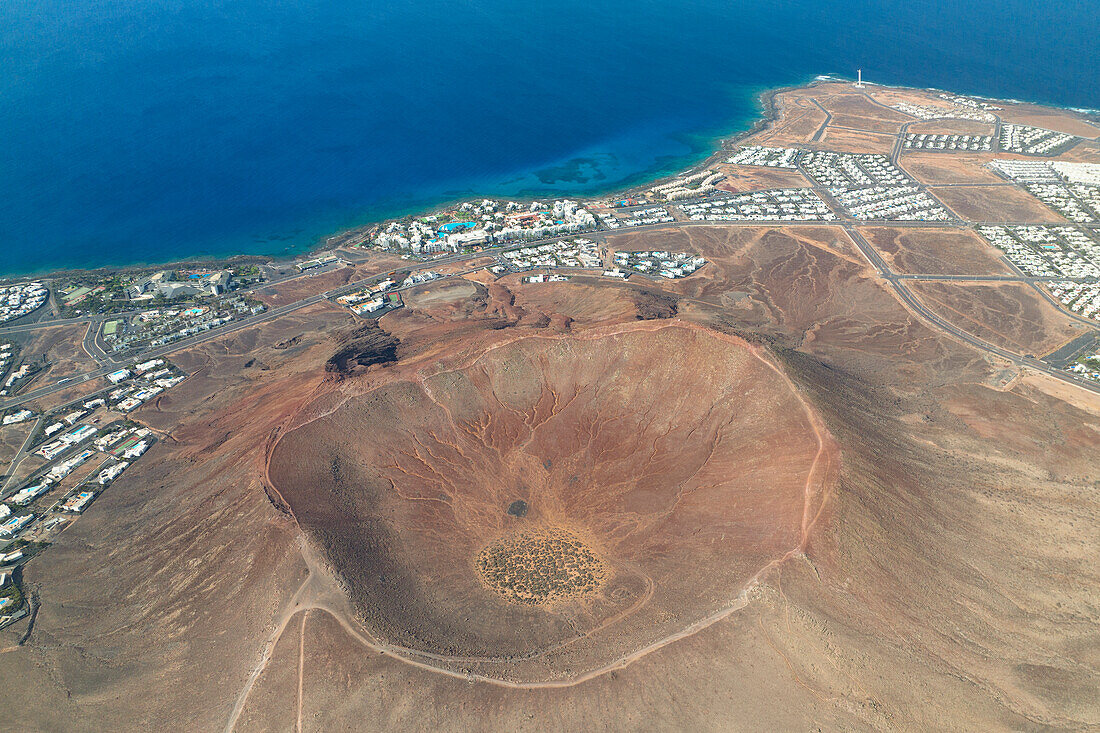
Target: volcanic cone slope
{"points": [[660, 467]]}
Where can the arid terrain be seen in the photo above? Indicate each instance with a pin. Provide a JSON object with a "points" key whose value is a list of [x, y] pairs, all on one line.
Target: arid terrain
{"points": [[685, 487], [791, 491]]}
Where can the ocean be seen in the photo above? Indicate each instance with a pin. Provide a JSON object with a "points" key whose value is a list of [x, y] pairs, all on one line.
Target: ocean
{"points": [[143, 131]]}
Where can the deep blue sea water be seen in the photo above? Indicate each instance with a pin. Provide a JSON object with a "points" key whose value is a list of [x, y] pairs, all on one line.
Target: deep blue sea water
{"points": [[136, 131]]}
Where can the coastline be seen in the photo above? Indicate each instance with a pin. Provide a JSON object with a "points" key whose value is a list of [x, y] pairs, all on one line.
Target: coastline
{"points": [[718, 146]]}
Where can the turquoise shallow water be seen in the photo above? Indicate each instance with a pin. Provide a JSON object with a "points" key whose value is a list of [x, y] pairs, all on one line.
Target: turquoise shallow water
{"points": [[148, 130]]}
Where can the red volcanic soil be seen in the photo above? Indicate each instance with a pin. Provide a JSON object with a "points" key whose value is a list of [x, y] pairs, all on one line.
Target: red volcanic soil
{"points": [[937, 168], [684, 483], [1011, 315], [935, 251], [995, 203]]}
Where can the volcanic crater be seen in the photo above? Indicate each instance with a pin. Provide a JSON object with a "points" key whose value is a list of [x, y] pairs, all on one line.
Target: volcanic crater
{"points": [[661, 467]]}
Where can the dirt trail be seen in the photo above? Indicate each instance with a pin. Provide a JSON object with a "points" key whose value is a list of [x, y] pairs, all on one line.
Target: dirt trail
{"points": [[301, 667], [320, 591], [292, 608]]}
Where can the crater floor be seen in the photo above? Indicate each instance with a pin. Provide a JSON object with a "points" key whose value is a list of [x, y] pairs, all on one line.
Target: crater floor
{"points": [[653, 493]]}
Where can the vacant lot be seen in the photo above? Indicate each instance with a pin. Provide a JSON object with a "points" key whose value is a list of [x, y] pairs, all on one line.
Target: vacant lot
{"points": [[1010, 315], [936, 251], [938, 168], [995, 204]]}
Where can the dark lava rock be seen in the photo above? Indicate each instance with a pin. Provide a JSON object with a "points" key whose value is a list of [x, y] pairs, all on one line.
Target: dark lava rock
{"points": [[651, 306], [366, 345]]}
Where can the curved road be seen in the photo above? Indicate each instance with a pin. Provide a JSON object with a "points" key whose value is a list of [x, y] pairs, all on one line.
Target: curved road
{"points": [[915, 305], [894, 280]]}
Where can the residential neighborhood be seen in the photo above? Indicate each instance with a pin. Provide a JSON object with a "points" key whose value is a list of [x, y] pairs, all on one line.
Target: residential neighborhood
{"points": [[1030, 140], [472, 225], [21, 299], [783, 204], [70, 456], [579, 253], [948, 143], [160, 326], [671, 265]]}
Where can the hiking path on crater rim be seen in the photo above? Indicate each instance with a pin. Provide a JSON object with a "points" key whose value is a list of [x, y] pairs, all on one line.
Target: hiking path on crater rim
{"points": [[654, 495]]}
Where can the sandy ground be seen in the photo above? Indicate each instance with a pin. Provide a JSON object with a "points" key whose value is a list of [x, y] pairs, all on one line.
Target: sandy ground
{"points": [[308, 284], [858, 112], [1051, 119], [856, 141], [1020, 113], [741, 178], [62, 347], [933, 168], [1010, 315], [68, 394], [11, 438], [995, 203], [951, 127], [936, 251]]}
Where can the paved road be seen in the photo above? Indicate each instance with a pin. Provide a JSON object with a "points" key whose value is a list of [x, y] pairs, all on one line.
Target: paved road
{"points": [[91, 345], [165, 350], [1047, 296], [270, 314], [828, 120], [984, 184], [919, 308], [996, 278], [895, 281], [1067, 354], [25, 327]]}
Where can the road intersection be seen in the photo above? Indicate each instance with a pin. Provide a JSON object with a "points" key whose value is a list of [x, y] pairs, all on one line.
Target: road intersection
{"points": [[894, 280], [106, 363]]}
